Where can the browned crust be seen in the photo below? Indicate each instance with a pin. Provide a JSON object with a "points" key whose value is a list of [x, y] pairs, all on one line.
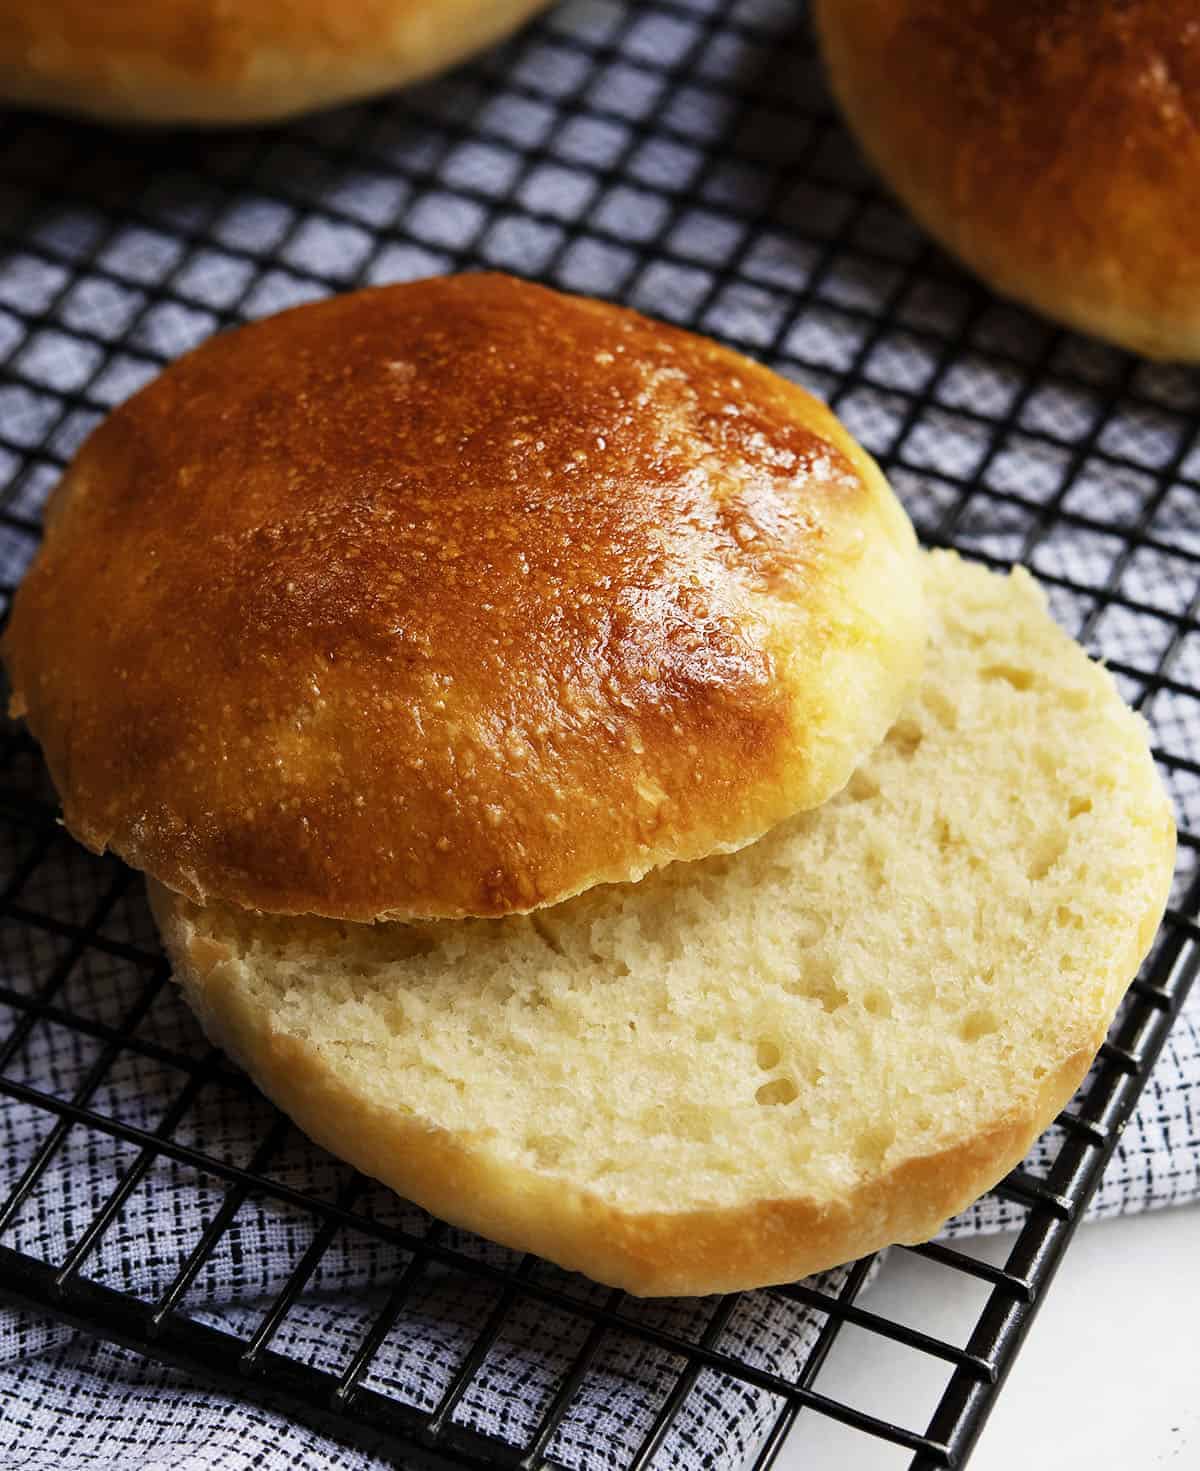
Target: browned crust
{"points": [[1053, 145], [649, 1254], [224, 61], [457, 598]]}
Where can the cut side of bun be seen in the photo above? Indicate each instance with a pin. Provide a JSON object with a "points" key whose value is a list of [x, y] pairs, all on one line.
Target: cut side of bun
{"points": [[748, 1068]]}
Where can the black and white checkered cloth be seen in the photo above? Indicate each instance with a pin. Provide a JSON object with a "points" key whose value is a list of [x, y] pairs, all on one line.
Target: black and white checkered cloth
{"points": [[678, 155]]}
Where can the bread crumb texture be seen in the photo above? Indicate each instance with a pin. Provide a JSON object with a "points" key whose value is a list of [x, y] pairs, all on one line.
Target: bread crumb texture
{"points": [[749, 1067]]}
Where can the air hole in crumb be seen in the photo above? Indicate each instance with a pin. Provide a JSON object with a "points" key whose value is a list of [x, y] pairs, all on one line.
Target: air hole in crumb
{"points": [[545, 934], [1067, 918], [1046, 855], [978, 1024], [905, 737], [778, 1090], [874, 1144], [873, 869], [1020, 679], [547, 1149], [609, 963], [706, 1034], [810, 1069], [406, 944], [1079, 805], [816, 980], [878, 1003], [861, 787], [768, 1054], [1047, 761], [941, 707]]}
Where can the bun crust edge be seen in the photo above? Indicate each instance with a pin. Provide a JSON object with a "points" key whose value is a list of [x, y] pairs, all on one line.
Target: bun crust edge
{"points": [[198, 63], [652, 1254]]}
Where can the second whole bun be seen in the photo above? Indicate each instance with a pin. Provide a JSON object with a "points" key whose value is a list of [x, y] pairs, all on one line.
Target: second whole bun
{"points": [[458, 598], [1051, 145]]}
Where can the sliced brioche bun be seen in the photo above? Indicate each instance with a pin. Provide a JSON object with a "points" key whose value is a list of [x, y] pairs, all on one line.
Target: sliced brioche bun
{"points": [[457, 598], [207, 62], [745, 1069], [1055, 149]]}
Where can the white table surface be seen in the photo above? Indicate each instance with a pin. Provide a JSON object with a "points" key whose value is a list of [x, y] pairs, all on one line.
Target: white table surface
{"points": [[1114, 1354]]}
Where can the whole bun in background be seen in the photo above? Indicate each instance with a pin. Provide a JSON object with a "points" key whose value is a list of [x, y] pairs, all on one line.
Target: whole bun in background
{"points": [[457, 598], [1051, 145], [205, 62]]}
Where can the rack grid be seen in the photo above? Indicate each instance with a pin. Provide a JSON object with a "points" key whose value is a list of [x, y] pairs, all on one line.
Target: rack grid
{"points": [[682, 157]]}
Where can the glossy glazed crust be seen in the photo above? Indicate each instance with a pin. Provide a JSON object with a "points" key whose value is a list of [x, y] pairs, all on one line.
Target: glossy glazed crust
{"points": [[458, 598], [225, 61], [1053, 145], [653, 1253]]}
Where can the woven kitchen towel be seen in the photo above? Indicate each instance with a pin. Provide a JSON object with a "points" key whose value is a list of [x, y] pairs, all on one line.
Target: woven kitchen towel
{"points": [[681, 156]]}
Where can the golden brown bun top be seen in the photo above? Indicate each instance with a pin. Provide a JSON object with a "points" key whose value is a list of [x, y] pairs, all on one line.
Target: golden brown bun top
{"points": [[216, 61], [1054, 145], [458, 597]]}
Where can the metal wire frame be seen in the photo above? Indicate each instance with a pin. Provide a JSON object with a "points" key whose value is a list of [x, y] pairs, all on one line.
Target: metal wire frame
{"points": [[344, 1404]]}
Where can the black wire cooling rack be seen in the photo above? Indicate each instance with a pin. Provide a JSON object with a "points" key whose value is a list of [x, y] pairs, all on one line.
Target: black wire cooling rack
{"points": [[680, 156]]}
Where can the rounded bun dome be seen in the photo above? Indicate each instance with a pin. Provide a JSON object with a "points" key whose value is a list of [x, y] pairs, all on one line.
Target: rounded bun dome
{"points": [[211, 62], [457, 598], [1051, 145]]}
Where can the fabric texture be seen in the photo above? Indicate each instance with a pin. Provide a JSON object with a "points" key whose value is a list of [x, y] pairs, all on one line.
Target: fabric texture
{"points": [[679, 156]]}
